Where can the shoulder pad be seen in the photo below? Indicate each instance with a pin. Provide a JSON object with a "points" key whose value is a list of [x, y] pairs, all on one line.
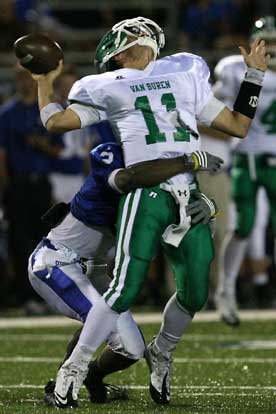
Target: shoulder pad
{"points": [[106, 154], [184, 58], [183, 62], [229, 63]]}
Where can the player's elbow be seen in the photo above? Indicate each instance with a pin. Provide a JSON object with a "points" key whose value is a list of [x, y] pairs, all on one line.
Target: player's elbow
{"points": [[241, 131], [124, 181], [50, 126], [54, 127]]}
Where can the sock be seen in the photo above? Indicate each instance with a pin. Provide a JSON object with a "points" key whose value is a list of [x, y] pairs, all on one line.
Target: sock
{"points": [[108, 362], [176, 320], [100, 322], [232, 254], [71, 345]]}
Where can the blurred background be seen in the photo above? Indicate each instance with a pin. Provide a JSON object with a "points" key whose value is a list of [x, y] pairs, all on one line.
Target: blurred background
{"points": [[37, 170]]}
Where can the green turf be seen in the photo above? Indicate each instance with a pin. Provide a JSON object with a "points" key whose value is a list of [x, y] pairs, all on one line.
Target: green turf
{"points": [[217, 370]]}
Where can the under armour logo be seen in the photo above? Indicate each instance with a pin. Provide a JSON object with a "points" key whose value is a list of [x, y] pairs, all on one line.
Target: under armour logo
{"points": [[153, 194], [180, 193], [253, 101]]}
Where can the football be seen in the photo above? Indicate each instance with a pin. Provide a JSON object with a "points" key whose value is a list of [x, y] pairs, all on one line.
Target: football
{"points": [[38, 53]]}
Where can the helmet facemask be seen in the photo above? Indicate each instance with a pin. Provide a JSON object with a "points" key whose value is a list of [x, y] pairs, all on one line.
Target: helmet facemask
{"points": [[144, 32]]}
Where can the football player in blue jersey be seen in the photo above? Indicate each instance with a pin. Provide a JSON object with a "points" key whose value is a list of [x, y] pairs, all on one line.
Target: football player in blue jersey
{"points": [[68, 267]]}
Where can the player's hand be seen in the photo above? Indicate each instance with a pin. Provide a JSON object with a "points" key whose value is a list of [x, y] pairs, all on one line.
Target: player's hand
{"points": [[201, 210], [204, 161], [50, 76], [257, 57]]}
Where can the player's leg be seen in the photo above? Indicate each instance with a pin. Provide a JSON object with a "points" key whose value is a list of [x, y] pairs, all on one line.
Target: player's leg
{"points": [[64, 287], [143, 216], [190, 263], [243, 190], [258, 262], [68, 290], [268, 180]]}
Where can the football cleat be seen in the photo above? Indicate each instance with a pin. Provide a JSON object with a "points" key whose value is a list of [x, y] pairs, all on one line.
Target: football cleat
{"points": [[49, 393], [49, 396], [99, 392], [161, 368], [68, 383], [226, 305]]}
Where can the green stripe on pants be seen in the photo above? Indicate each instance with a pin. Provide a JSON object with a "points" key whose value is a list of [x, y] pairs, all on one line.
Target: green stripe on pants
{"points": [[120, 256]]}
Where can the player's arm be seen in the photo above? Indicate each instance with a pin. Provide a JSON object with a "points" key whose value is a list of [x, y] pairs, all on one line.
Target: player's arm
{"points": [[150, 173], [54, 117], [238, 121]]}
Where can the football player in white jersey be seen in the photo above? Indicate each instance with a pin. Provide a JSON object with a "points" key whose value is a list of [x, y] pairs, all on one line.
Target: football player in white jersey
{"points": [[254, 165], [153, 107]]}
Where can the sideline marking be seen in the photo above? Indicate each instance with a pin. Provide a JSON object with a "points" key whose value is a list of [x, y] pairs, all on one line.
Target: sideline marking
{"points": [[174, 387], [36, 360], [141, 318], [242, 340]]}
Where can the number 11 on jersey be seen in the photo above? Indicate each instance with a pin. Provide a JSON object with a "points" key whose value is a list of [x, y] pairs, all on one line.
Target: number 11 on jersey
{"points": [[155, 135]]}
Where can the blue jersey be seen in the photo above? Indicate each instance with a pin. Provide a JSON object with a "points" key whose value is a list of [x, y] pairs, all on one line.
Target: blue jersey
{"points": [[73, 145], [96, 203]]}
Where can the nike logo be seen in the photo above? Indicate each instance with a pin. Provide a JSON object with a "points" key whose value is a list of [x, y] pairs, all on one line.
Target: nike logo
{"points": [[60, 399]]}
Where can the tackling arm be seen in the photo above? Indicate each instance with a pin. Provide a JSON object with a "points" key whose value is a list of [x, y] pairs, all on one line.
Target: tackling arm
{"points": [[150, 173]]}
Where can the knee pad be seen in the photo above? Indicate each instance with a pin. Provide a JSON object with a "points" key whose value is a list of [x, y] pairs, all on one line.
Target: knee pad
{"points": [[194, 303], [128, 340], [245, 222]]}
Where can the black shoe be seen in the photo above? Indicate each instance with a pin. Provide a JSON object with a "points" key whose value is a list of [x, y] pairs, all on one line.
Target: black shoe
{"points": [[49, 393], [51, 400], [99, 392]]}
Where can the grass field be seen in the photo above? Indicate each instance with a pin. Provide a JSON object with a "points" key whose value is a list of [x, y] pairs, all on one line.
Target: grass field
{"points": [[217, 369]]}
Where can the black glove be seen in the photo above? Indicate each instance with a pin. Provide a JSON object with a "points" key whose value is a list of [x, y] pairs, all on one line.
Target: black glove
{"points": [[204, 161], [201, 210]]}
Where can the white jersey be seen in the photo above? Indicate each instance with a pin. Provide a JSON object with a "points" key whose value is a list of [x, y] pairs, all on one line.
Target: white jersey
{"points": [[261, 137], [153, 112]]}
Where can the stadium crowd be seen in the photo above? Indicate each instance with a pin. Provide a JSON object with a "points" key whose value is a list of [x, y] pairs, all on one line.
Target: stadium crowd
{"points": [[53, 167]]}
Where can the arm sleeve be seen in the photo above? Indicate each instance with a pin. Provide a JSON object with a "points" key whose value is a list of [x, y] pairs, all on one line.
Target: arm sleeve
{"points": [[87, 114], [87, 108], [210, 111]]}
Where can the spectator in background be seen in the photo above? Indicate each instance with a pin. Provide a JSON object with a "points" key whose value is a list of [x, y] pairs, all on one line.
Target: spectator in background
{"points": [[26, 153], [10, 26], [68, 169], [205, 20]]}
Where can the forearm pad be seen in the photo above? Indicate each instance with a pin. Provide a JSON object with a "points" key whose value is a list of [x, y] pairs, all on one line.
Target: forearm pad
{"points": [[247, 100]]}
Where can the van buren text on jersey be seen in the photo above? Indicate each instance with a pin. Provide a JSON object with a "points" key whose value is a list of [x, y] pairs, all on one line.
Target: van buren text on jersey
{"points": [[140, 87]]}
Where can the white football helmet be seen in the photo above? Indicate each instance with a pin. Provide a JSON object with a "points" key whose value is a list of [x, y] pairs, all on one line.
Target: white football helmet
{"points": [[145, 31]]}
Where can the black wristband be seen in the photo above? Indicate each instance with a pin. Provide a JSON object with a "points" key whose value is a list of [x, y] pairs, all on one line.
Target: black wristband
{"points": [[247, 99]]}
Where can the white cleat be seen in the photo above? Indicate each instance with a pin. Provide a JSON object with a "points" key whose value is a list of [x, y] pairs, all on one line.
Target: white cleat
{"points": [[68, 383], [161, 368], [226, 305]]}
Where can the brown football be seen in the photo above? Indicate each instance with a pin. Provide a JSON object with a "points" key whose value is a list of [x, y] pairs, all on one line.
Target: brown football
{"points": [[38, 53]]}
